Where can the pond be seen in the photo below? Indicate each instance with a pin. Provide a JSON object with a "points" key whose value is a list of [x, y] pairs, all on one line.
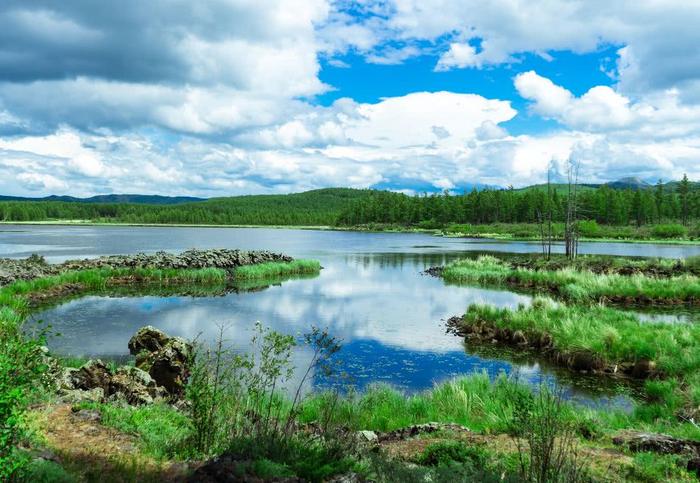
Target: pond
{"points": [[371, 294]]}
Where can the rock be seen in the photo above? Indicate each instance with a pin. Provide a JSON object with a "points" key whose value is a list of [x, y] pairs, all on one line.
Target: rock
{"points": [[91, 375], [88, 415], [168, 365], [35, 266], [585, 361], [657, 443], [147, 339], [134, 386], [417, 429], [519, 338], [367, 437], [75, 396], [643, 369]]}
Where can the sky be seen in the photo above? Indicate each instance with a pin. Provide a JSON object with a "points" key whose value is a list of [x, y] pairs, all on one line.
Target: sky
{"points": [[227, 97]]}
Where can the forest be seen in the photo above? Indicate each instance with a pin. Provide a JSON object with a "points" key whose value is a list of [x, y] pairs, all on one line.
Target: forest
{"points": [[677, 203]]}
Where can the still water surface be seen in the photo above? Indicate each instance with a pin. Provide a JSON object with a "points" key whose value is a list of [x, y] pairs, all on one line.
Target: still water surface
{"points": [[371, 294]]}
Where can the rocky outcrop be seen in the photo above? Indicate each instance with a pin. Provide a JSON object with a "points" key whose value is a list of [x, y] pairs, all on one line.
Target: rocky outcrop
{"points": [[162, 368], [35, 266], [638, 441], [166, 359]]}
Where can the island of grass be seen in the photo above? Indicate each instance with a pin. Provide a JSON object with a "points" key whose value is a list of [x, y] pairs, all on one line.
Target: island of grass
{"points": [[34, 281], [575, 283]]}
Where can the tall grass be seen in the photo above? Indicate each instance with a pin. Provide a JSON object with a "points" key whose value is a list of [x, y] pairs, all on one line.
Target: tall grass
{"points": [[614, 336], [277, 269], [577, 285]]}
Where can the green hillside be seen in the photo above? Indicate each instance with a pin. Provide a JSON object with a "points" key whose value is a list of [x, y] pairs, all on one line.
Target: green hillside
{"points": [[317, 207]]}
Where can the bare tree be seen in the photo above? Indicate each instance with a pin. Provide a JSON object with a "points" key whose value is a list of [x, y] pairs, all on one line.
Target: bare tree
{"points": [[571, 234], [544, 218]]}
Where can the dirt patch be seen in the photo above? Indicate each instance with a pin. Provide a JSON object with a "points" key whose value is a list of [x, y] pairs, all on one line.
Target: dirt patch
{"points": [[90, 450]]}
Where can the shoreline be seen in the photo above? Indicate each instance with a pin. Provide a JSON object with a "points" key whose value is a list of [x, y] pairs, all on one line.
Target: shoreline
{"points": [[434, 232]]}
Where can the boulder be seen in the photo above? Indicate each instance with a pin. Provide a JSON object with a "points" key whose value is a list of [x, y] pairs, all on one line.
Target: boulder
{"points": [[134, 386], [91, 375], [147, 339], [169, 366], [657, 443]]}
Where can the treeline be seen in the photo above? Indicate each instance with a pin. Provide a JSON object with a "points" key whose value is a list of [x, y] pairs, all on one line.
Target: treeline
{"points": [[677, 203], [318, 207], [604, 205]]}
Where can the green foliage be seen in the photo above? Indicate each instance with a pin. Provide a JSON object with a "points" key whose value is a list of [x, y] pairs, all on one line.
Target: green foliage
{"points": [[546, 439], [609, 334], [448, 452], [670, 230], [21, 366], [654, 467], [270, 270], [577, 285], [513, 212], [474, 401], [163, 431]]}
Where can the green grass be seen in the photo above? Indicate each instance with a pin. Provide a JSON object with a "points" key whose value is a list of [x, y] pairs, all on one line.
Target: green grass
{"points": [[577, 285], [162, 430], [614, 336], [271, 270]]}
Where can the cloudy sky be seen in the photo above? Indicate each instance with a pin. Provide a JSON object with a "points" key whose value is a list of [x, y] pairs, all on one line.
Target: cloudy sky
{"points": [[225, 97]]}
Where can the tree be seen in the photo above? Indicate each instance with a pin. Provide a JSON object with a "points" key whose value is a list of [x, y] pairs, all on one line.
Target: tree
{"points": [[683, 190]]}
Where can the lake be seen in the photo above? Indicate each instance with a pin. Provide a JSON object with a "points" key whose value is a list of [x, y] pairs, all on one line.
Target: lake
{"points": [[371, 293]]}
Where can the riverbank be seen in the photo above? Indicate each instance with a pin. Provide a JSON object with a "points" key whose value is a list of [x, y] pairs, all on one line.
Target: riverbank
{"points": [[487, 232]]}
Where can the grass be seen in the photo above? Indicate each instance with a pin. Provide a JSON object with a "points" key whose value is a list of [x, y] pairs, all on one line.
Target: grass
{"points": [[271, 270], [575, 285], [614, 336]]}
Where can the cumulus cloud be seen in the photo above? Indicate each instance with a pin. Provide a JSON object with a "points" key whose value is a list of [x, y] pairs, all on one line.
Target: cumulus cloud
{"points": [[217, 98], [657, 40]]}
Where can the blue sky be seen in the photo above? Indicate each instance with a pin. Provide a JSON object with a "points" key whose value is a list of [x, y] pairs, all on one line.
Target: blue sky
{"points": [[227, 97]]}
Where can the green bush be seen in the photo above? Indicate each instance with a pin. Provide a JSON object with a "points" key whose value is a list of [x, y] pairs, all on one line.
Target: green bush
{"points": [[670, 230], [589, 228], [448, 452], [21, 366]]}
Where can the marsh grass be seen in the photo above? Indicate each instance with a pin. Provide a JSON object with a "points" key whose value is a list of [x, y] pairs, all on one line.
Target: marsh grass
{"points": [[271, 270], [613, 335], [577, 285]]}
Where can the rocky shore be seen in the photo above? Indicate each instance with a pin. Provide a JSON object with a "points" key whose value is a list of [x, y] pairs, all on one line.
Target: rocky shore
{"points": [[160, 372], [12, 270]]}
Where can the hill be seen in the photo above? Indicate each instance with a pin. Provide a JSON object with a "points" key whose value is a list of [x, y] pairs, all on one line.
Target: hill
{"points": [[113, 198], [316, 207]]}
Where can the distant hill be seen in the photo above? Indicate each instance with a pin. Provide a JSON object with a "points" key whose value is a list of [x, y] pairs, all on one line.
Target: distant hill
{"points": [[632, 183], [113, 198]]}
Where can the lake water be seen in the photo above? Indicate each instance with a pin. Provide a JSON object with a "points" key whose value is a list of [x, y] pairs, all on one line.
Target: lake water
{"points": [[371, 294]]}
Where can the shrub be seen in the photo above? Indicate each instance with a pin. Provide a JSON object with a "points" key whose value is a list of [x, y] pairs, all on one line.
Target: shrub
{"points": [[447, 452], [21, 366], [670, 230], [589, 228], [546, 439]]}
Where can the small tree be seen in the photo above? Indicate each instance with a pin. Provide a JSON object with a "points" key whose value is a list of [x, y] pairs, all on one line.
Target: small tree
{"points": [[570, 227], [683, 190]]}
